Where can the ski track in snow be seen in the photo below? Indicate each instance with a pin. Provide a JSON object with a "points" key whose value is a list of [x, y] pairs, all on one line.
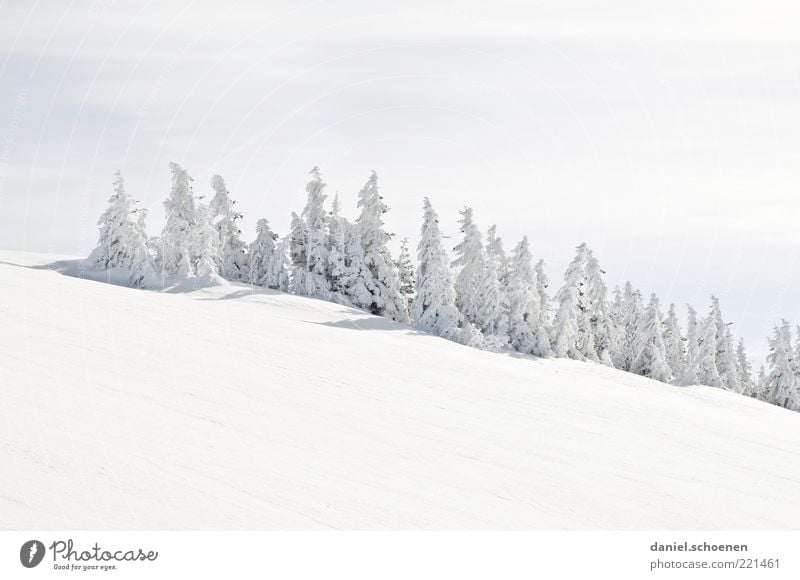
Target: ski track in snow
{"points": [[224, 408]]}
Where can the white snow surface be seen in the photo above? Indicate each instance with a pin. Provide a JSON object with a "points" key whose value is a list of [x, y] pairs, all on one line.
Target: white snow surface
{"points": [[228, 408]]}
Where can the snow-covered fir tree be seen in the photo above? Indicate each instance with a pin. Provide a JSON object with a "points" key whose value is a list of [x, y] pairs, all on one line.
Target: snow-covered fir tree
{"points": [[384, 284], [780, 384], [279, 276], [628, 318], [470, 261], [707, 372], [405, 271], [434, 303], [652, 359], [231, 258], [176, 237], [691, 373], [204, 245], [337, 226], [569, 326], [525, 330], [744, 371], [262, 253], [542, 284], [122, 242], [356, 281], [297, 254], [495, 250], [597, 307], [673, 344], [725, 355], [491, 315], [316, 243]]}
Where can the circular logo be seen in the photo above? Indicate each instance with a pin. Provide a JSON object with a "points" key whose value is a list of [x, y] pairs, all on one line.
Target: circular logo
{"points": [[31, 553]]}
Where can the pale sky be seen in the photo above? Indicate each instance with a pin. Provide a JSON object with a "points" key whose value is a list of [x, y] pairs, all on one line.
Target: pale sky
{"points": [[664, 134]]}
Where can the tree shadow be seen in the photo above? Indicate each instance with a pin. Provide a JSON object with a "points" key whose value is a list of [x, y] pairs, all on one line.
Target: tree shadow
{"points": [[369, 323]]}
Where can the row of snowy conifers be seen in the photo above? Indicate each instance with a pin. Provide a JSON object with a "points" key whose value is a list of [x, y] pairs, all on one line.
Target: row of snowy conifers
{"points": [[482, 298]]}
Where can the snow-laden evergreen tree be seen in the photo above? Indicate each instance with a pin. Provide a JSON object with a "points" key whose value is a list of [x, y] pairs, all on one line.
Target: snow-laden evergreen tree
{"points": [[316, 242], [279, 276], [597, 306], [629, 315], [781, 383], [525, 330], [144, 272], [121, 242], [356, 280], [384, 284], [570, 325], [707, 372], [744, 371], [204, 245], [337, 227], [761, 384], [542, 284], [691, 373], [673, 344], [494, 250], [231, 258], [405, 271], [471, 261], [434, 302], [652, 359], [176, 237], [262, 253], [725, 355], [297, 254], [491, 314]]}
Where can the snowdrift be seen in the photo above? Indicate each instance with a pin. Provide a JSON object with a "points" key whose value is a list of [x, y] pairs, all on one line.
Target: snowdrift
{"points": [[228, 408]]}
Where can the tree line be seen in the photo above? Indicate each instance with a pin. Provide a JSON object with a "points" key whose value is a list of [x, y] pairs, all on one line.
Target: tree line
{"points": [[482, 297]]}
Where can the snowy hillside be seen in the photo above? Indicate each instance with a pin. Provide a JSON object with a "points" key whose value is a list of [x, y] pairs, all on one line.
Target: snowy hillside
{"points": [[224, 408]]}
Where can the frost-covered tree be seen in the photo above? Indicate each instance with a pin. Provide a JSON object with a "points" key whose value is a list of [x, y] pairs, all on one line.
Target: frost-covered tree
{"points": [[570, 325], [122, 241], [673, 344], [691, 371], [542, 284], [525, 331], [279, 273], [231, 258], [204, 245], [356, 280], [434, 302], [316, 242], [405, 271], [262, 253], [628, 317], [176, 237], [337, 227], [725, 355], [471, 263], [494, 250], [297, 254], [761, 384], [744, 371], [652, 359], [491, 315], [780, 383], [707, 372], [598, 310], [384, 284]]}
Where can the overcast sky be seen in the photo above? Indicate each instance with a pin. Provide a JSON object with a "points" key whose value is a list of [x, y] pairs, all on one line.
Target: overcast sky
{"points": [[665, 134]]}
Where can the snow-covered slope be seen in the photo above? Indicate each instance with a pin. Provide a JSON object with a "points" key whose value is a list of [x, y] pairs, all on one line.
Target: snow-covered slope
{"points": [[224, 408]]}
